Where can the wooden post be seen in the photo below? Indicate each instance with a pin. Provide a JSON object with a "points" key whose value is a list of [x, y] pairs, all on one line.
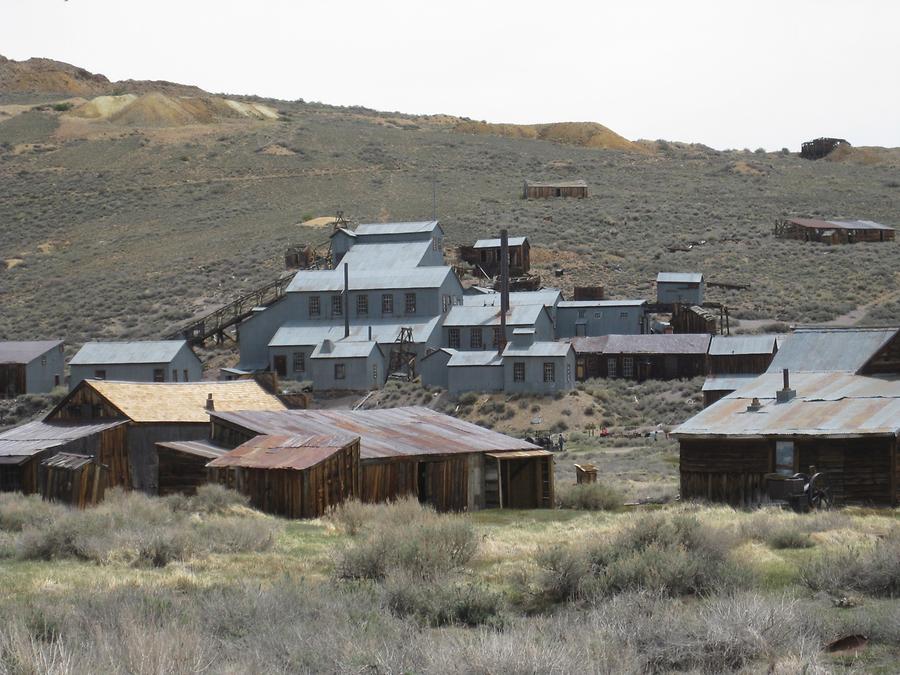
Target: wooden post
{"points": [[500, 481]]}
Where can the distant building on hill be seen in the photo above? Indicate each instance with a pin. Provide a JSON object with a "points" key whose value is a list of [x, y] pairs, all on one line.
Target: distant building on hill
{"points": [[685, 288], [30, 367], [551, 189], [142, 361], [833, 231]]}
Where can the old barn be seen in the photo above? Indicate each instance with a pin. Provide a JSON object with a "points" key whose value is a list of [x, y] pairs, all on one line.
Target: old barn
{"points": [[833, 231], [736, 361], [663, 356], [485, 253], [556, 188], [446, 462]]}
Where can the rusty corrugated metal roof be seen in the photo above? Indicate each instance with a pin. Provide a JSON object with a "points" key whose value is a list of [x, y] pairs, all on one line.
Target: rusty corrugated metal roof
{"points": [[384, 433], [830, 349], [284, 452], [29, 439], [826, 404]]}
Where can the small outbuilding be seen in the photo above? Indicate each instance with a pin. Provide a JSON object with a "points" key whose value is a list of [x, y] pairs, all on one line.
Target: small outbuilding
{"points": [[537, 367], [583, 318], [474, 371], [557, 188], [297, 476], [77, 480], [351, 366], [33, 367], [684, 288], [147, 361], [833, 231], [485, 253], [663, 356]]}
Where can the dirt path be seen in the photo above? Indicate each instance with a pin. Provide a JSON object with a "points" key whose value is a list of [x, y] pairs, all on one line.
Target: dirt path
{"points": [[854, 316]]}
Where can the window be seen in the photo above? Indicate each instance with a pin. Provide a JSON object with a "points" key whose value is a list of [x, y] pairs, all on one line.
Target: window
{"points": [[101, 374], [628, 366], [623, 315], [549, 372], [410, 303], [44, 360], [387, 304], [159, 375], [362, 305], [519, 371], [568, 372], [445, 303], [56, 380], [611, 367], [174, 374], [185, 373], [314, 307], [784, 458], [498, 334], [435, 245], [453, 340], [582, 313], [337, 305], [340, 372], [475, 338], [299, 362]]}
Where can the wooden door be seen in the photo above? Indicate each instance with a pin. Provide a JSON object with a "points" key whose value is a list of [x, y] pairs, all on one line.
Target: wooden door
{"points": [[279, 363]]}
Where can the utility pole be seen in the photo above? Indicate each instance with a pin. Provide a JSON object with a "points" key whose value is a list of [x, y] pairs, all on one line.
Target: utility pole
{"points": [[434, 196]]}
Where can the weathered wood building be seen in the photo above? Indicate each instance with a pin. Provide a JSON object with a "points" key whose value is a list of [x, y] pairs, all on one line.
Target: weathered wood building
{"points": [[557, 188], [77, 480], [446, 462], [685, 288], [833, 231], [147, 413], [735, 361], [843, 424], [820, 147], [293, 476], [641, 357], [33, 367], [485, 253]]}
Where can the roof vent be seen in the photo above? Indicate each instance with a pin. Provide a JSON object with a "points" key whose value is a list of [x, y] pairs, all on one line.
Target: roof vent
{"points": [[786, 393], [754, 406], [327, 346], [210, 404]]}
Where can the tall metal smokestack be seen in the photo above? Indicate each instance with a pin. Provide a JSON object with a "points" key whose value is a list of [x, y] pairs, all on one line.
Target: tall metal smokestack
{"points": [[504, 287], [346, 301]]}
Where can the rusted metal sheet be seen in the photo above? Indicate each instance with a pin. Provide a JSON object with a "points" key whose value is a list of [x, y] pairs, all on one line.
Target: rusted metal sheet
{"points": [[520, 454], [386, 433], [284, 452]]}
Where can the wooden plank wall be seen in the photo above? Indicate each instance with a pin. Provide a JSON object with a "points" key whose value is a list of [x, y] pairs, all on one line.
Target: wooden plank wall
{"points": [[388, 480], [113, 452], [85, 404], [180, 472], [12, 380], [448, 483], [725, 471], [80, 487]]}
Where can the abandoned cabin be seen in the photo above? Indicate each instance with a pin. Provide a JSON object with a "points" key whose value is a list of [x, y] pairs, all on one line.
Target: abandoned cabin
{"points": [[685, 288], [551, 189], [76, 480], [580, 318], [641, 357], [821, 147], [734, 361], [139, 361], [443, 461], [34, 367], [830, 399], [833, 231], [485, 254]]}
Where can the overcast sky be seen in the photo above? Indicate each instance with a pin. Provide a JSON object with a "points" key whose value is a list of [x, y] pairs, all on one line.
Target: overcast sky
{"points": [[727, 74]]}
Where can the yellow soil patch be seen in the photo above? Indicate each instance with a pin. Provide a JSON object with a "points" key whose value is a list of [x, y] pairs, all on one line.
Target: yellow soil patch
{"points": [[277, 149], [586, 134], [257, 110], [743, 168], [104, 106], [7, 111], [321, 221], [47, 247], [866, 155], [13, 262]]}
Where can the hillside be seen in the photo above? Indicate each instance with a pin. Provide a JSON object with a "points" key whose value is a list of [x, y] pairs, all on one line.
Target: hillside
{"points": [[585, 134], [117, 225]]}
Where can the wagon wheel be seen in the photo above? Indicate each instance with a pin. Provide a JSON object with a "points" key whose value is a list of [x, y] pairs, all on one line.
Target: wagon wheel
{"points": [[819, 495]]}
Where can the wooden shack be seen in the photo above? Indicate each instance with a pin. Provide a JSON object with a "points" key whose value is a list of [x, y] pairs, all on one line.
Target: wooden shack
{"points": [[485, 254], [697, 319], [448, 463], [552, 189], [833, 231], [843, 424], [154, 412], [182, 465], [293, 476], [664, 356], [77, 480], [820, 147], [735, 361]]}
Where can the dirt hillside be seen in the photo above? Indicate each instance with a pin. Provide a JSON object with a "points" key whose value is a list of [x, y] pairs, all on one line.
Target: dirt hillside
{"points": [[156, 109], [585, 134]]}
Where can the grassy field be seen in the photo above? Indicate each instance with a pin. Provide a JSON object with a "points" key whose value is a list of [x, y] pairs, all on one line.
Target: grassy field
{"points": [[118, 231], [398, 588]]}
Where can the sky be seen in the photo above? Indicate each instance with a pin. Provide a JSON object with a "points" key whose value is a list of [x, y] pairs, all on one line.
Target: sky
{"points": [[729, 74]]}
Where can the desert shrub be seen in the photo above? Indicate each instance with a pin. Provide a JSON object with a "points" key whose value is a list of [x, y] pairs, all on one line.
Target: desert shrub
{"points": [[214, 499], [787, 537], [443, 602], [589, 497], [469, 398], [874, 570], [18, 511], [422, 544], [563, 575]]}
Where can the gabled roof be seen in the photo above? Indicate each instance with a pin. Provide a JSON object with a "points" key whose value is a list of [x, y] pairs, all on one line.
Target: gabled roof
{"points": [[23, 352], [495, 243], [519, 315], [546, 349], [380, 256], [727, 382], [679, 277], [176, 402], [827, 404], [486, 297], [146, 351], [28, 439], [384, 433], [830, 349], [662, 343], [310, 333], [556, 183], [745, 345], [600, 303], [284, 452], [415, 227], [345, 350], [367, 279], [476, 358]]}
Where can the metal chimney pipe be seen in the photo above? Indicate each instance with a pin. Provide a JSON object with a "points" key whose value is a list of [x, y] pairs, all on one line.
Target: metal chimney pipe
{"points": [[786, 374], [346, 301], [504, 287]]}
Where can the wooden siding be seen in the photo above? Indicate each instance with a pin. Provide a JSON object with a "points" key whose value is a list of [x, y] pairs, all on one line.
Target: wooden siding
{"points": [[180, 472], [644, 366], [488, 259], [739, 364], [12, 380], [550, 192], [81, 487], [886, 361], [388, 480], [309, 493], [83, 404]]}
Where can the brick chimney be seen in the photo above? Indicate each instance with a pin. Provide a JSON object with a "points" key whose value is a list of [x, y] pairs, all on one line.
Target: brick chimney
{"points": [[785, 394]]}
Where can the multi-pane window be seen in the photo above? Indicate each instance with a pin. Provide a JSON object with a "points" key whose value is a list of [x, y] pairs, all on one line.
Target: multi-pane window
{"points": [[362, 305], [314, 307], [435, 245], [445, 303], [100, 374], [549, 372], [159, 375], [340, 372], [299, 362], [611, 367], [475, 338], [519, 371], [498, 332], [410, 303], [387, 303], [628, 366], [453, 338], [623, 315], [337, 305], [784, 457], [582, 313]]}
